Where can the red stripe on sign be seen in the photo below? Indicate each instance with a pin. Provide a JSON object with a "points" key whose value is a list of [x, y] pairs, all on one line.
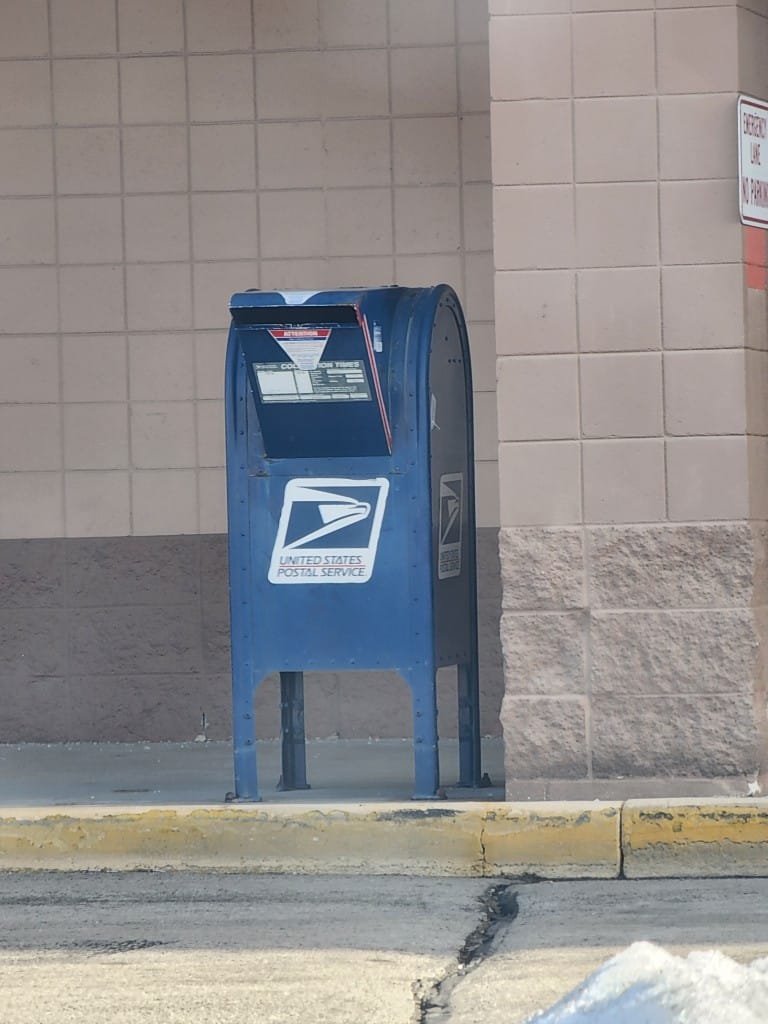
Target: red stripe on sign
{"points": [[301, 334], [376, 383], [755, 257]]}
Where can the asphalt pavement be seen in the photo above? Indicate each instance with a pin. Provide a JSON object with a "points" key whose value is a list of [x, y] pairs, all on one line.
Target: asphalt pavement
{"points": [[564, 930], [178, 947], [226, 949]]}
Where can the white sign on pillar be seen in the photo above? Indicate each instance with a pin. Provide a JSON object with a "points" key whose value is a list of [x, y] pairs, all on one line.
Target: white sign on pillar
{"points": [[753, 161]]}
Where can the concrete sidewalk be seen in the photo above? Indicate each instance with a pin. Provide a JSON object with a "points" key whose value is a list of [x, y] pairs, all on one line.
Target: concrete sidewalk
{"points": [[339, 771], [154, 806]]}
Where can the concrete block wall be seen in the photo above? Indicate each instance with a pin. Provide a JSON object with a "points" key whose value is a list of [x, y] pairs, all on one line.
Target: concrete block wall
{"points": [[632, 357], [154, 158]]}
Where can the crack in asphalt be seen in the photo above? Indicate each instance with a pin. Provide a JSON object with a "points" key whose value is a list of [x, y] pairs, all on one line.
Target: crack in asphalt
{"points": [[498, 906], [95, 947]]}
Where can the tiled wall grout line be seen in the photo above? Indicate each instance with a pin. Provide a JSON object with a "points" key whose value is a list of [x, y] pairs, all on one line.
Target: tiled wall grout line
{"points": [[391, 141], [59, 341], [62, 542], [586, 666], [460, 155], [127, 353], [191, 279], [661, 276]]}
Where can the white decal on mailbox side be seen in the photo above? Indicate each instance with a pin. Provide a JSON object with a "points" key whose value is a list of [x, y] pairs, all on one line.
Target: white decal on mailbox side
{"points": [[328, 531], [450, 525], [304, 346]]}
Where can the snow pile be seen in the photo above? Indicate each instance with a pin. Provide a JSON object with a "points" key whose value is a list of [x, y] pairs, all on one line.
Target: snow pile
{"points": [[646, 985]]}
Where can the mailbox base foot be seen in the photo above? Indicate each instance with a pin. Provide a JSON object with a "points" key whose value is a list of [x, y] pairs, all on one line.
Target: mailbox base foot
{"points": [[232, 798], [486, 782], [283, 787]]}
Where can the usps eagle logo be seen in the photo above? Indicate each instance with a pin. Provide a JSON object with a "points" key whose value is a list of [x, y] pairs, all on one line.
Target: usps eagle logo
{"points": [[328, 531]]}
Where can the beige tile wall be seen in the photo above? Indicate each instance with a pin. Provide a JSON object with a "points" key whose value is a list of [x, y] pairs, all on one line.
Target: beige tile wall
{"points": [[632, 327], [625, 394], [157, 155]]}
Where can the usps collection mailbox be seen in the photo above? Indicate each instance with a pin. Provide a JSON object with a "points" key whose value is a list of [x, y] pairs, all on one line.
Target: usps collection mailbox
{"points": [[350, 488]]}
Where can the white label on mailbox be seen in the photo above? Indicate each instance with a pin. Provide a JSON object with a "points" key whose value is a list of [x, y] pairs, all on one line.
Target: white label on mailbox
{"points": [[304, 346], [338, 380], [450, 525], [328, 531]]}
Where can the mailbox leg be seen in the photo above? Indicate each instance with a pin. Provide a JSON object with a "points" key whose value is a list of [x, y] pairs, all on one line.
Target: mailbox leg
{"points": [[244, 743], [294, 755], [425, 744], [469, 726]]}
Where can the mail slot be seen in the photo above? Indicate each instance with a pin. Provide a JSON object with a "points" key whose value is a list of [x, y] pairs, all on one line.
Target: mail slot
{"points": [[350, 491]]}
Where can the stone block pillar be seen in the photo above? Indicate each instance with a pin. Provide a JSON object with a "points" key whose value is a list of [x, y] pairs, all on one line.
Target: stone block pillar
{"points": [[633, 389]]}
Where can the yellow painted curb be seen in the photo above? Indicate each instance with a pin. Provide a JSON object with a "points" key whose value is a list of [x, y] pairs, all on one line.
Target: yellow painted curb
{"points": [[695, 838], [293, 839], [554, 840], [471, 839], [649, 838]]}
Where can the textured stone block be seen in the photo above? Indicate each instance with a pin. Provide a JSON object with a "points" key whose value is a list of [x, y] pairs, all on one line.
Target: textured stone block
{"points": [[214, 568], [27, 704], [215, 699], [33, 642], [689, 735], [673, 652], [267, 706], [542, 568], [135, 640], [543, 738], [154, 708], [216, 638], [760, 568], [489, 642], [671, 566], [32, 574], [544, 654], [354, 705], [323, 703], [369, 704], [133, 571], [447, 705]]}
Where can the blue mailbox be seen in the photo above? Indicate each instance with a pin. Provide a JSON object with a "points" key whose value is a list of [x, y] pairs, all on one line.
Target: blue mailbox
{"points": [[350, 486]]}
